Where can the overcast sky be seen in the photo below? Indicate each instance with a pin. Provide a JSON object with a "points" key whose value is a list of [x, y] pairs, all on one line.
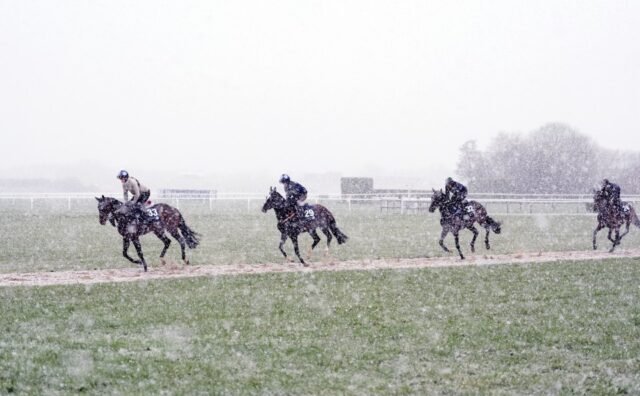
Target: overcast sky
{"points": [[307, 86]]}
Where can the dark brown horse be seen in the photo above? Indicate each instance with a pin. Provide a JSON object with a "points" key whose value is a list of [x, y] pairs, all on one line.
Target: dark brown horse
{"points": [[613, 218], [453, 220], [290, 225], [131, 227]]}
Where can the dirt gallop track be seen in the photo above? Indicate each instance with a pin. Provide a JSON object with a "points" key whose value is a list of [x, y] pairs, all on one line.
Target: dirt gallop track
{"points": [[175, 271]]}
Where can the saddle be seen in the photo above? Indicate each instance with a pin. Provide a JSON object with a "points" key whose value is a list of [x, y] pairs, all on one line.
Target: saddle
{"points": [[308, 212], [146, 214], [462, 209], [151, 214]]}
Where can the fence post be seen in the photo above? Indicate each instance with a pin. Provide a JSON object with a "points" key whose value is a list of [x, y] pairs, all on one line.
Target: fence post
{"points": [[248, 205], [32, 203], [69, 203]]}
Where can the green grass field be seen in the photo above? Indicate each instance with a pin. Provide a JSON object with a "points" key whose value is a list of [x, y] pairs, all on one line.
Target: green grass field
{"points": [[557, 328], [561, 328]]}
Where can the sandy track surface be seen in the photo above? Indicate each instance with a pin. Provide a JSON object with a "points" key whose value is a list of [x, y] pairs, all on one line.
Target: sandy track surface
{"points": [[172, 271]]}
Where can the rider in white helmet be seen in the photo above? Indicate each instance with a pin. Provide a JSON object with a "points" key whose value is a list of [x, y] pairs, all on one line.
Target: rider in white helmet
{"points": [[140, 193]]}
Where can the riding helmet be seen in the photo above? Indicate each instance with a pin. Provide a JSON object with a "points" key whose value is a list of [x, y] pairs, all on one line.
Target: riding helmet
{"points": [[123, 174], [284, 178]]}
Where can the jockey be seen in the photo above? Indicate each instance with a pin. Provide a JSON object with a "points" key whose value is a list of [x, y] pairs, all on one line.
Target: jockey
{"points": [[295, 192], [611, 191], [455, 192], [140, 193]]}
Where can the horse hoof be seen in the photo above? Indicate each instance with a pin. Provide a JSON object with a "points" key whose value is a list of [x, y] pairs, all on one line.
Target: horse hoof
{"points": [[186, 262], [163, 261]]}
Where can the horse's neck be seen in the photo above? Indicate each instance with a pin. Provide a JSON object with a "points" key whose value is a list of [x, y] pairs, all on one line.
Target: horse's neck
{"points": [[445, 210]]}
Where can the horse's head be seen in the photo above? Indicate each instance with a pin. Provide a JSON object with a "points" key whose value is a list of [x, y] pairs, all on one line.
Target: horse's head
{"points": [[274, 200], [437, 200], [106, 208]]}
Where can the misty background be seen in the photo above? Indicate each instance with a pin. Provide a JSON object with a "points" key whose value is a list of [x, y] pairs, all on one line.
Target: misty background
{"points": [[229, 95]]}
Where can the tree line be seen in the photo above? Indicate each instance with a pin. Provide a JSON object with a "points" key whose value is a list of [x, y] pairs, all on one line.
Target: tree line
{"points": [[552, 159]]}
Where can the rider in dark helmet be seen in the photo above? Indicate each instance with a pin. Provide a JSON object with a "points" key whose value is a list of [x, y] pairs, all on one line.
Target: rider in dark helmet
{"points": [[295, 192], [612, 192], [456, 193], [139, 191]]}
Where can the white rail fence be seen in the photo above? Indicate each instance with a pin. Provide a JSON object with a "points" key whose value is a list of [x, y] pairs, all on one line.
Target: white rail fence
{"points": [[405, 203]]}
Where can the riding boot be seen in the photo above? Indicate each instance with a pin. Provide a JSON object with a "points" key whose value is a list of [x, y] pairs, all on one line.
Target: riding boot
{"points": [[141, 213]]}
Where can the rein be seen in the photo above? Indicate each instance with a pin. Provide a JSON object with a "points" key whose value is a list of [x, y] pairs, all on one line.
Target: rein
{"points": [[292, 215]]}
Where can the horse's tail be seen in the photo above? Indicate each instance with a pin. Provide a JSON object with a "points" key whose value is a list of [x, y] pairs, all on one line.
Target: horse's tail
{"points": [[340, 236], [634, 217], [495, 226], [192, 238]]}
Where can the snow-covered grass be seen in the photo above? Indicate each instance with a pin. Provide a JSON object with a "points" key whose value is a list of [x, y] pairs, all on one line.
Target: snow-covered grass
{"points": [[51, 242], [559, 328]]}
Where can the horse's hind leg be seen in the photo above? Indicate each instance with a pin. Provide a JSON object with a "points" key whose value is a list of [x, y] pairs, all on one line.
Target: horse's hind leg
{"points": [[176, 235], [166, 242], [475, 235], [626, 231], [486, 240], [316, 241], [125, 251], [136, 243], [327, 233]]}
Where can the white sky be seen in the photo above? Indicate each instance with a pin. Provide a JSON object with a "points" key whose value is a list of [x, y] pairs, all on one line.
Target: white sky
{"points": [[307, 86]]}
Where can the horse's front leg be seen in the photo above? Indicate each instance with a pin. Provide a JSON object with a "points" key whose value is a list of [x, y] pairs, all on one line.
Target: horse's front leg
{"points": [[457, 239], [136, 243], [475, 235], [125, 250], [613, 241], [443, 234], [294, 239], [595, 232], [283, 239]]}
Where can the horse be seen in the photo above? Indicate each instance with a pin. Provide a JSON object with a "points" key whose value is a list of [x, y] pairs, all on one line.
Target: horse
{"points": [[167, 218], [290, 225], [453, 221], [612, 218]]}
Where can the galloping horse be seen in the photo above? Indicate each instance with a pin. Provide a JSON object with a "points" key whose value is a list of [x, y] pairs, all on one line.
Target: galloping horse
{"points": [[610, 217], [453, 221], [290, 225], [131, 228]]}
